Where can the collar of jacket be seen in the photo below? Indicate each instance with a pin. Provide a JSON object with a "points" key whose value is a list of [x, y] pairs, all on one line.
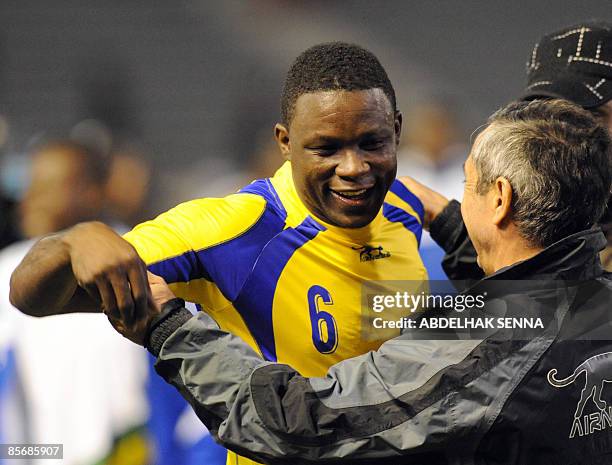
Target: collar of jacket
{"points": [[574, 257]]}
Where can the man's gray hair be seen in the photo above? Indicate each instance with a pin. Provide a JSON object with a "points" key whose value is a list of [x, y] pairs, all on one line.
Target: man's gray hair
{"points": [[556, 157]]}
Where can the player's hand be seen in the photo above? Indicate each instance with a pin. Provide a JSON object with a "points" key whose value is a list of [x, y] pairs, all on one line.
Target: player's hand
{"points": [[137, 329], [432, 201], [109, 269]]}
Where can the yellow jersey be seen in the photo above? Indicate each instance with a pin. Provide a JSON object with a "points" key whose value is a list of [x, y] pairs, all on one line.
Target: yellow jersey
{"points": [[269, 271]]}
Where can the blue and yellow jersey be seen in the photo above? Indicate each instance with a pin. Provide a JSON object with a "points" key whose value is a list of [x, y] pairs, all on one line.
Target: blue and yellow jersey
{"points": [[270, 272]]}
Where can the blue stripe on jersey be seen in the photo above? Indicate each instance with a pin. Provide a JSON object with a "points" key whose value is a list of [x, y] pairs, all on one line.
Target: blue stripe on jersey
{"points": [[181, 269], [397, 215], [227, 264], [257, 296], [403, 193], [264, 188]]}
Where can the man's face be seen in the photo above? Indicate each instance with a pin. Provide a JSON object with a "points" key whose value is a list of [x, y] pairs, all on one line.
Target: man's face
{"points": [[59, 194], [475, 214], [342, 146]]}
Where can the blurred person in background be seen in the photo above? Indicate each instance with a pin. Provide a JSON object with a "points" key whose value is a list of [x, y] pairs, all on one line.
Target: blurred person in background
{"points": [[128, 187], [432, 152], [61, 373], [67, 181]]}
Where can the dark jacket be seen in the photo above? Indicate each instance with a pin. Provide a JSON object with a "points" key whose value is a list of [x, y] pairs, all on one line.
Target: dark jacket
{"points": [[505, 399]]}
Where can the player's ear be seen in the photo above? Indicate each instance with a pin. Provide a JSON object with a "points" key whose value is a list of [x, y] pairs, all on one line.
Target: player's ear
{"points": [[397, 124], [281, 134]]}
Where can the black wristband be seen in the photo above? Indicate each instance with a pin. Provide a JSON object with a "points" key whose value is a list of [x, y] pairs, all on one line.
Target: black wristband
{"points": [[172, 316]]}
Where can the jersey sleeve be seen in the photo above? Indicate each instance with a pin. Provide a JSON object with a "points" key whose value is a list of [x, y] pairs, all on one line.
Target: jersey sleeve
{"points": [[402, 206], [177, 244], [400, 196]]}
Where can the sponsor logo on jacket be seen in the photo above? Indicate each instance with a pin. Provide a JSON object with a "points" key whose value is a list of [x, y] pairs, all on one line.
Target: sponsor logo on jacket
{"points": [[597, 372]]}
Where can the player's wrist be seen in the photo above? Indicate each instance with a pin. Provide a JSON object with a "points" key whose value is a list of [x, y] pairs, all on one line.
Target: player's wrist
{"points": [[71, 237], [58, 242]]}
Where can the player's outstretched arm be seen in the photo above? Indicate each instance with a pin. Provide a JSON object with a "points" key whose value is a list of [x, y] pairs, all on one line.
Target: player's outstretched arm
{"points": [[86, 268]]}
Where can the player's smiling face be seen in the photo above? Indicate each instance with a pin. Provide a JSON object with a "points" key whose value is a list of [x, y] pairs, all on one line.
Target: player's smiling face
{"points": [[342, 146]]}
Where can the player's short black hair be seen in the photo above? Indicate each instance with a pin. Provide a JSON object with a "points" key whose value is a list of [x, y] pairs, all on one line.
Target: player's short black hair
{"points": [[333, 66]]}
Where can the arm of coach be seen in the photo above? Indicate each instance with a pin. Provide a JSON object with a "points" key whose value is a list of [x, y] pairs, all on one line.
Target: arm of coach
{"points": [[410, 401]]}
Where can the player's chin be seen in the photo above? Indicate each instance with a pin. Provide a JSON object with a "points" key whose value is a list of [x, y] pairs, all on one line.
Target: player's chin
{"points": [[356, 216]]}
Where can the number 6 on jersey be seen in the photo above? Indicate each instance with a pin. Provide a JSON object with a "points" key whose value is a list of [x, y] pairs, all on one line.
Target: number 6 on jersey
{"points": [[324, 329]]}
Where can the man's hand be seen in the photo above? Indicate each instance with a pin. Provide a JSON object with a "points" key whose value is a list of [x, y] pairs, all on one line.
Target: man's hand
{"points": [[159, 289], [433, 202], [109, 269], [137, 329]]}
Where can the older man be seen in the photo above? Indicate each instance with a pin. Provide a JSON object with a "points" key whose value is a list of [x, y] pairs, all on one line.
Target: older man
{"points": [[537, 180]]}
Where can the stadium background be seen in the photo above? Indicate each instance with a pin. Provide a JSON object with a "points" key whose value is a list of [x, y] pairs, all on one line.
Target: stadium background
{"points": [[190, 90], [195, 81]]}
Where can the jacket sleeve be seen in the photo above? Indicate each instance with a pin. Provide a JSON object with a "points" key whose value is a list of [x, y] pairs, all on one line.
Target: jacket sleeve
{"points": [[448, 230], [410, 400]]}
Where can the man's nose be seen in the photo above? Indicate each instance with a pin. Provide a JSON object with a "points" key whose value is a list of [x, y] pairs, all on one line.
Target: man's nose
{"points": [[352, 165]]}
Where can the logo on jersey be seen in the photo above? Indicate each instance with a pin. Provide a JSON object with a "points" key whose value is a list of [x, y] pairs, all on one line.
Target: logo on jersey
{"points": [[597, 372], [367, 253]]}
